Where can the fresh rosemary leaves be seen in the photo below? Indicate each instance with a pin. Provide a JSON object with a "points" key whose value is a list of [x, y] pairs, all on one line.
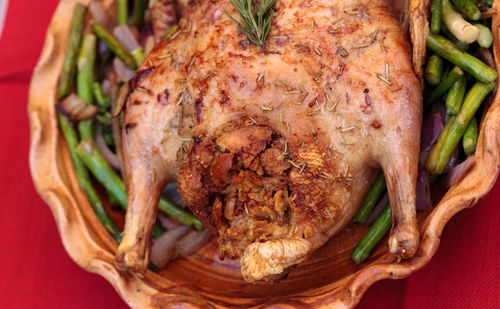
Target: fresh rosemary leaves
{"points": [[255, 22]]}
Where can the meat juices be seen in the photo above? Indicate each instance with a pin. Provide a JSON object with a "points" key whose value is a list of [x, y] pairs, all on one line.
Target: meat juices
{"points": [[274, 149]]}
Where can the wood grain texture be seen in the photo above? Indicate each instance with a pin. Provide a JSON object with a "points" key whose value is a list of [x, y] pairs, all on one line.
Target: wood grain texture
{"points": [[328, 279]]}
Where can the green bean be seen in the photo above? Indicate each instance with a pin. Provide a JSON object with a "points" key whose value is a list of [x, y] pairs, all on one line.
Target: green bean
{"points": [[365, 246], [84, 178], [88, 153], [103, 101], [101, 169], [456, 96], [138, 11], [434, 69], [445, 84], [85, 79], [468, 63], [468, 8], [67, 77], [471, 136], [436, 11], [113, 44], [122, 8], [371, 199], [179, 214], [455, 128]]}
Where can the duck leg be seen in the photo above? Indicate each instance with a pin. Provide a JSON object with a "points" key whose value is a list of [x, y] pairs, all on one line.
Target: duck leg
{"points": [[400, 177], [150, 163]]}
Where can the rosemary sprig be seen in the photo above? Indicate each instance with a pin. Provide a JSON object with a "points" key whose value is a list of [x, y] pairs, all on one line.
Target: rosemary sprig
{"points": [[255, 22]]}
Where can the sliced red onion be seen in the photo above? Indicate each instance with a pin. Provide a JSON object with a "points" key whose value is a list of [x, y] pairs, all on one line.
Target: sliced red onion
{"points": [[440, 107], [431, 128], [377, 210], [99, 14], [102, 49], [110, 86], [456, 174], [171, 192], [485, 55], [122, 71], [191, 242], [454, 159], [111, 157], [163, 249], [106, 87], [126, 37], [75, 108], [145, 33], [423, 191]]}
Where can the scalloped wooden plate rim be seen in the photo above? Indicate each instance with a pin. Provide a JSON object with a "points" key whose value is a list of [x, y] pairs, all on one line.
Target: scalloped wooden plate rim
{"points": [[89, 244]]}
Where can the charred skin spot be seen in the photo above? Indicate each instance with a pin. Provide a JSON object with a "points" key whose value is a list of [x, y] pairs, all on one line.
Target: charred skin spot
{"points": [[162, 97], [224, 98], [244, 44], [140, 76], [375, 124], [198, 106], [129, 126]]}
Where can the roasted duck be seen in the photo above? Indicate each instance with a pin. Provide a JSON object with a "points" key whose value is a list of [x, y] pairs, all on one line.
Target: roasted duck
{"points": [[274, 149]]}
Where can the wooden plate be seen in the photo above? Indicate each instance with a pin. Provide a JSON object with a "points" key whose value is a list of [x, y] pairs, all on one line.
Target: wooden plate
{"points": [[328, 278]]}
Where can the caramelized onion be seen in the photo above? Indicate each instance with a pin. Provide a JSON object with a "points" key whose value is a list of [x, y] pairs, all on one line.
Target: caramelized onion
{"points": [[166, 221], [111, 157], [163, 249], [432, 126], [122, 71], [191, 242], [75, 108], [121, 100]]}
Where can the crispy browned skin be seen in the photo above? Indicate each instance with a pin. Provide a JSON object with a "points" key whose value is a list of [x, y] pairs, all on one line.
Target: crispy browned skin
{"points": [[274, 149]]}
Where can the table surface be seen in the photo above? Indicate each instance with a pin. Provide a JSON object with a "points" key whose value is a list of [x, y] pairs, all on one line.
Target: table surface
{"points": [[36, 272]]}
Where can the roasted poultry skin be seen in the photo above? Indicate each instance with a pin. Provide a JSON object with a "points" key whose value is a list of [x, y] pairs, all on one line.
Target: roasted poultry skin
{"points": [[274, 149]]}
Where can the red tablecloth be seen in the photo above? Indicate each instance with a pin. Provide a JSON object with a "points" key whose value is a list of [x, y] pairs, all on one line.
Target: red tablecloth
{"points": [[36, 272]]}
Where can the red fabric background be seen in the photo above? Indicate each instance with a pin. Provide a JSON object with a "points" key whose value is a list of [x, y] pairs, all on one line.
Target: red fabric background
{"points": [[36, 272]]}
